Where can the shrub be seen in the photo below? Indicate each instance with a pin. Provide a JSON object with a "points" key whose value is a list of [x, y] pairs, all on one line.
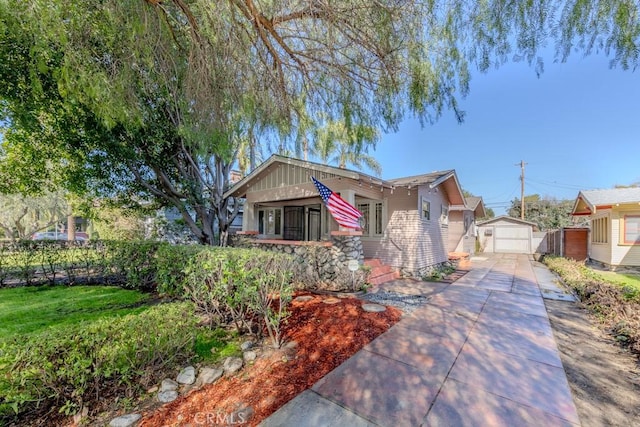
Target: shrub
{"points": [[235, 285], [273, 292], [65, 367], [133, 262], [170, 267], [218, 282]]}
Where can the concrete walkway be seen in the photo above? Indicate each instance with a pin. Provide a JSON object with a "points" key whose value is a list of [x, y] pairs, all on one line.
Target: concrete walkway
{"points": [[481, 352]]}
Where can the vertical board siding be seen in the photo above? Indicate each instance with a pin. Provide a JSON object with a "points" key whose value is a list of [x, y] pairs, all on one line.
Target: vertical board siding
{"points": [[286, 175]]}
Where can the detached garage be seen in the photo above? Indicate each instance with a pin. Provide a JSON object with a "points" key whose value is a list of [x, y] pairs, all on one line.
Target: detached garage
{"points": [[506, 235]]}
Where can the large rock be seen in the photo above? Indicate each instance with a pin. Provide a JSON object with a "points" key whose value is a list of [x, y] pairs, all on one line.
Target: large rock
{"points": [[232, 365], [249, 356], [167, 396], [168, 385], [373, 308], [187, 375], [208, 376], [128, 420], [247, 345]]}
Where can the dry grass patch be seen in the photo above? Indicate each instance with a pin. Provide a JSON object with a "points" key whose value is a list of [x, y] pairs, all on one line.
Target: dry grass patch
{"points": [[614, 301]]}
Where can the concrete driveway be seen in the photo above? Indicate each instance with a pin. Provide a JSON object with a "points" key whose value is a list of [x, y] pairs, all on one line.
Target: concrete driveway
{"points": [[481, 352]]}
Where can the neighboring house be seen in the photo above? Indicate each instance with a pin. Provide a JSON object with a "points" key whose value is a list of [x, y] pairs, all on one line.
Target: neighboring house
{"points": [[462, 224], [505, 234], [615, 225], [405, 219]]}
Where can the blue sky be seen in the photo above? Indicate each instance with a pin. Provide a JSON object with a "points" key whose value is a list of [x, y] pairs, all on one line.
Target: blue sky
{"points": [[576, 127]]}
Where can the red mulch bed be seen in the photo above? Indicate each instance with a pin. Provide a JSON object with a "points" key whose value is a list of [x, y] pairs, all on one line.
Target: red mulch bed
{"points": [[326, 335]]}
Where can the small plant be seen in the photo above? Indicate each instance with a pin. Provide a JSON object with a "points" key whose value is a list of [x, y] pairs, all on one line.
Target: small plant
{"points": [[438, 273], [213, 345]]}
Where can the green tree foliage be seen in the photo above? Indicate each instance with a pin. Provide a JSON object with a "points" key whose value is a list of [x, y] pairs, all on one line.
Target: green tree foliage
{"points": [[548, 213], [490, 213], [336, 143], [140, 99]]}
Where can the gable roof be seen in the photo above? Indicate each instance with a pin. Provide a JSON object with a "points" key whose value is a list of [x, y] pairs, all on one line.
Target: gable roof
{"points": [[473, 203], [433, 179], [589, 201], [508, 218], [447, 178], [239, 189]]}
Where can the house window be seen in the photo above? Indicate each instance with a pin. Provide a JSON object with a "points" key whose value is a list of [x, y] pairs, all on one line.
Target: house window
{"points": [[444, 214], [378, 230], [632, 229], [372, 212], [364, 208], [270, 221], [600, 230], [426, 209]]}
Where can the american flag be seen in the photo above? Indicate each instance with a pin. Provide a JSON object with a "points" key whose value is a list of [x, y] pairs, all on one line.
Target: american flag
{"points": [[345, 214]]}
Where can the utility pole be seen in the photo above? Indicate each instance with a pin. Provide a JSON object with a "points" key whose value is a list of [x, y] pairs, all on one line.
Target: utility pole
{"points": [[522, 189]]}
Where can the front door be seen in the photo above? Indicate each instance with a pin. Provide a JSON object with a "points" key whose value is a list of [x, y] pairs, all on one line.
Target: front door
{"points": [[293, 223], [314, 224]]}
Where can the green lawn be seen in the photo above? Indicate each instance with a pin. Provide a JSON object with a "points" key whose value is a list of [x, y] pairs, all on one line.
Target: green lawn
{"points": [[621, 279], [27, 310]]}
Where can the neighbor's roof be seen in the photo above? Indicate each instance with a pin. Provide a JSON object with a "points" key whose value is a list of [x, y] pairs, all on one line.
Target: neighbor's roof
{"points": [[589, 201], [473, 203]]}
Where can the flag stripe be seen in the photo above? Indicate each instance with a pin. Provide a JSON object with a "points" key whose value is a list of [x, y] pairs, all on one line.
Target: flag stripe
{"points": [[344, 214]]}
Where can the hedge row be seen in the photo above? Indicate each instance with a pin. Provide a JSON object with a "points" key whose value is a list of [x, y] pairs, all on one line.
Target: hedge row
{"points": [[52, 262], [68, 366]]}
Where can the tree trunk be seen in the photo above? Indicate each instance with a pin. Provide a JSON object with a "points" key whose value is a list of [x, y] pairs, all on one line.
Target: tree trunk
{"points": [[71, 228]]}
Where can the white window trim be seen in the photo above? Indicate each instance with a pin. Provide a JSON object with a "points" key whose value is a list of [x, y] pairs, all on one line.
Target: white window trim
{"points": [[265, 209], [424, 200], [372, 213], [444, 214]]}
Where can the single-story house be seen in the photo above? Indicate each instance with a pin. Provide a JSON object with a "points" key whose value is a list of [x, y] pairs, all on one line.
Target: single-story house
{"points": [[463, 224], [505, 234], [614, 217], [406, 220]]}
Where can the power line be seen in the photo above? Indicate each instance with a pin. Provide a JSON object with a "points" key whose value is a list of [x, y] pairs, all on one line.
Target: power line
{"points": [[557, 184]]}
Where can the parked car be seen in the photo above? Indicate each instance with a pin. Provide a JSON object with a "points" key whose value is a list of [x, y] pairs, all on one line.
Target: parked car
{"points": [[53, 235]]}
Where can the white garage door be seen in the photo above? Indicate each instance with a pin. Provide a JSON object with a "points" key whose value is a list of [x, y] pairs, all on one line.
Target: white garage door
{"points": [[512, 240]]}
